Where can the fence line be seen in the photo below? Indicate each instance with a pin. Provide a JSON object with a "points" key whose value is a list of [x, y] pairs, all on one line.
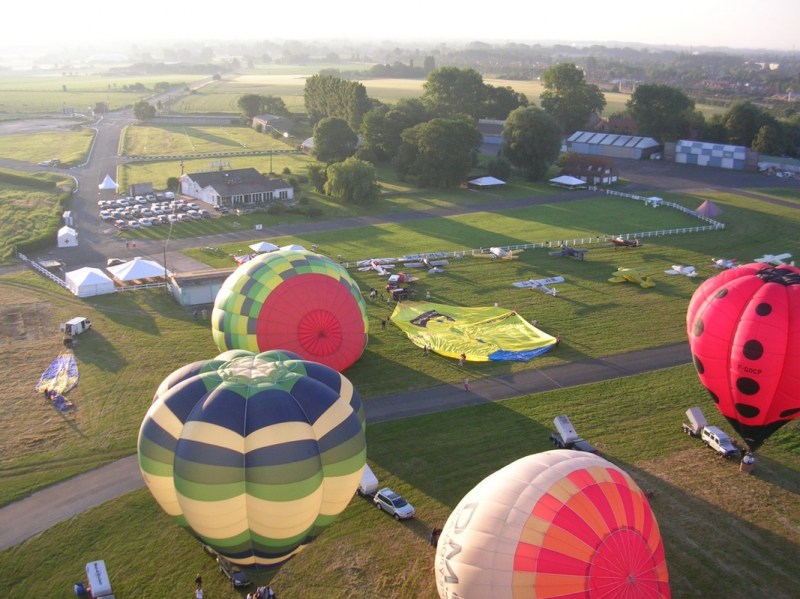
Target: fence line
{"points": [[712, 225], [42, 270]]}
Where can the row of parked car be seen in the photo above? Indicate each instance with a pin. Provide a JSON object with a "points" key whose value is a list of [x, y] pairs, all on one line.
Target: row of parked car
{"points": [[138, 215]]}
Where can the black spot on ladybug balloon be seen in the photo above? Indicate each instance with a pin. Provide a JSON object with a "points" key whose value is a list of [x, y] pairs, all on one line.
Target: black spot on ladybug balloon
{"points": [[744, 333]]}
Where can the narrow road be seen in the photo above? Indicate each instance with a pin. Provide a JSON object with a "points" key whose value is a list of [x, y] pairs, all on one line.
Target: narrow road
{"points": [[36, 513]]}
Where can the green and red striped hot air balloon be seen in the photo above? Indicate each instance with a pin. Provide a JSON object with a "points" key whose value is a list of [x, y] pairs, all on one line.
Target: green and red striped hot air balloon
{"points": [[293, 300], [254, 453]]}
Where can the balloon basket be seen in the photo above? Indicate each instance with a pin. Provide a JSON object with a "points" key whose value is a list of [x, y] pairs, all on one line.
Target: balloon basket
{"points": [[746, 468]]}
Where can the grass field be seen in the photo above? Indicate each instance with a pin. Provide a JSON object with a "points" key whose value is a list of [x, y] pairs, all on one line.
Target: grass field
{"points": [[139, 338], [725, 533], [50, 92], [71, 147]]}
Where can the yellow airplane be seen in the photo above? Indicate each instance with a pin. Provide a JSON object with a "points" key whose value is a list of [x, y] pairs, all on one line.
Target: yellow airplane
{"points": [[641, 276]]}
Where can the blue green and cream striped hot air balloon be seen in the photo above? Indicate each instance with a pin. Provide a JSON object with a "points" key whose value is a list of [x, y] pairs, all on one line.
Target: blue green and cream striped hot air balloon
{"points": [[254, 453], [293, 300]]}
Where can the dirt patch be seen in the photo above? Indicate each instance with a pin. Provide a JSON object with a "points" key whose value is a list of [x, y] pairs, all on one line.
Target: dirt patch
{"points": [[26, 322], [36, 126]]}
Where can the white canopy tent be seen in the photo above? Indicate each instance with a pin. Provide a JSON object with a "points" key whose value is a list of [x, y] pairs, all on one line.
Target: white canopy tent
{"points": [[568, 182], [486, 182], [108, 184], [87, 281], [137, 269], [264, 246], [293, 247]]}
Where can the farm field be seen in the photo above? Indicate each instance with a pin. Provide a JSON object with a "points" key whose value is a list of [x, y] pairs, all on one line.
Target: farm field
{"points": [[221, 96], [50, 92]]}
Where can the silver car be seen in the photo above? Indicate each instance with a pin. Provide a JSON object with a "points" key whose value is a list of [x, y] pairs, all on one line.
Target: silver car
{"points": [[393, 504]]}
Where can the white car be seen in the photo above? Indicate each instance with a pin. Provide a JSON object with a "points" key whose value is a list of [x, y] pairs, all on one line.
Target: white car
{"points": [[146, 222], [393, 504]]}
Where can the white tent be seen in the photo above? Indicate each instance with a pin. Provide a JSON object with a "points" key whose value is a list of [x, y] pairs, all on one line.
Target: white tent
{"points": [[263, 246], [107, 184], [486, 182], [88, 281], [293, 247], [568, 182], [137, 269], [67, 237]]}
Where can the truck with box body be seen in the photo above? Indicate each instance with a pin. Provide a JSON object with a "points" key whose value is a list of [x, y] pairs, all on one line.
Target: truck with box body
{"points": [[567, 438]]}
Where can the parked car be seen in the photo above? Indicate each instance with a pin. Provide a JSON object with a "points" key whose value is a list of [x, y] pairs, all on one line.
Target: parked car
{"points": [[121, 225], [393, 504], [205, 213], [194, 214]]}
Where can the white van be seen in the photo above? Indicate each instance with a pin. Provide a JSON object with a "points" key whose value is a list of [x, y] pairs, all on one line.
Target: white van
{"points": [[369, 482], [97, 579]]}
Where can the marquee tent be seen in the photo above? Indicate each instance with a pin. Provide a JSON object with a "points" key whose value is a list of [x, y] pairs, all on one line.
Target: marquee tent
{"points": [[264, 246], [137, 269], [709, 209], [293, 247], [484, 182], [568, 182], [87, 281], [108, 184]]}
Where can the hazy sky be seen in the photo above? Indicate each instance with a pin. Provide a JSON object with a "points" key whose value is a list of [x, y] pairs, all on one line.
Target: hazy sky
{"points": [[771, 24]]}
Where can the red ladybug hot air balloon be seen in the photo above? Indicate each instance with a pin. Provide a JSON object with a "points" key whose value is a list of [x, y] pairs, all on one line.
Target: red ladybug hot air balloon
{"points": [[744, 333]]}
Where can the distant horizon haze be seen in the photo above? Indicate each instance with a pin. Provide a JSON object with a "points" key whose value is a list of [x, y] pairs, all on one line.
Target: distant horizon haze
{"points": [[732, 24]]}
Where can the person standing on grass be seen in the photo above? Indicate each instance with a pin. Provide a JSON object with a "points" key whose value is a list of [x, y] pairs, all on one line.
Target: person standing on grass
{"points": [[466, 384]]}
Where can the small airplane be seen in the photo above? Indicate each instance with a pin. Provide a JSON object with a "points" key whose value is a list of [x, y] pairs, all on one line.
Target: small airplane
{"points": [[677, 269], [566, 250], [620, 241], [776, 260], [540, 285], [640, 276], [497, 252], [380, 265], [724, 263], [433, 262]]}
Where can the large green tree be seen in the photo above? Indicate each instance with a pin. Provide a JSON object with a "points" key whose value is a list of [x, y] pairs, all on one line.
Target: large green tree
{"points": [[334, 140], [568, 97], [450, 92], [143, 110], [329, 96], [500, 101], [439, 152], [661, 111], [383, 126], [353, 181], [255, 104], [744, 120], [531, 141]]}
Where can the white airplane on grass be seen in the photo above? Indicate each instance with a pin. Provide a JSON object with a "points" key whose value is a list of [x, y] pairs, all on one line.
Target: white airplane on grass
{"points": [[540, 285], [433, 262], [677, 269], [724, 263], [380, 265], [501, 253], [776, 260]]}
